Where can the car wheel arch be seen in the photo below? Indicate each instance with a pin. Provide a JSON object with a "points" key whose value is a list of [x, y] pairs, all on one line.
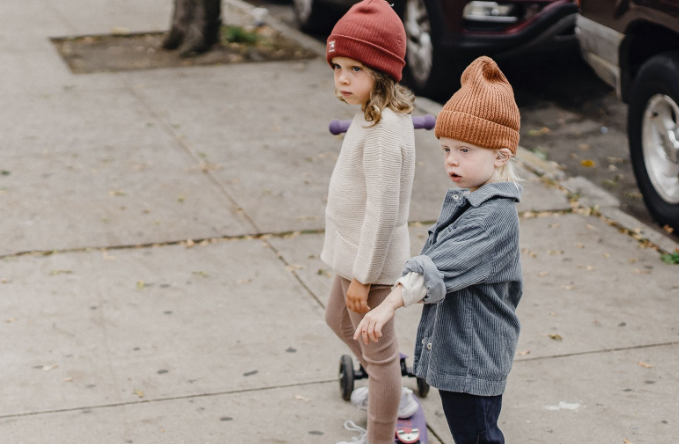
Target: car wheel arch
{"points": [[643, 41]]}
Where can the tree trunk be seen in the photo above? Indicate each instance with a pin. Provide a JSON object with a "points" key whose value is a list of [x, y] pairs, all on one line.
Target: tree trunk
{"points": [[195, 26]]}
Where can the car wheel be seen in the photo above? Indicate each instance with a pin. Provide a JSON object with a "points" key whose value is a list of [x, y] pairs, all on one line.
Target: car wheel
{"points": [[424, 62], [654, 136], [314, 15]]}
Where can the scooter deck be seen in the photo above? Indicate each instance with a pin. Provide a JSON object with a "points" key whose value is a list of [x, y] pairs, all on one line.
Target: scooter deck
{"points": [[412, 430]]}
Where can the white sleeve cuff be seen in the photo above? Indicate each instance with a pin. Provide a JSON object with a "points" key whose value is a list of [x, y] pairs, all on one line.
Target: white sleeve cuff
{"points": [[412, 288]]}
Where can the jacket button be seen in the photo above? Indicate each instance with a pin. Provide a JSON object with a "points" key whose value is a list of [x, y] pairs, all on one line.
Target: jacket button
{"points": [[423, 341], [456, 197], [429, 346]]}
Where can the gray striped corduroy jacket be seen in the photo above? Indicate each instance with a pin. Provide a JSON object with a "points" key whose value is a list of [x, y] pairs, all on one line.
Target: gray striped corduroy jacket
{"points": [[468, 332]]}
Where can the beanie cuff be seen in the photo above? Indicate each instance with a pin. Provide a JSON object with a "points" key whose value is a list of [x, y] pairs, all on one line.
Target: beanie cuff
{"points": [[477, 131], [360, 50]]}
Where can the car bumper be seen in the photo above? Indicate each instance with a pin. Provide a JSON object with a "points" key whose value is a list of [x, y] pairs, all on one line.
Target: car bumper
{"points": [[552, 26]]}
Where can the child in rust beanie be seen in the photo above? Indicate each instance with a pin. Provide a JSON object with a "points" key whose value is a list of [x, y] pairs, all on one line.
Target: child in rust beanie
{"points": [[366, 228], [469, 272]]}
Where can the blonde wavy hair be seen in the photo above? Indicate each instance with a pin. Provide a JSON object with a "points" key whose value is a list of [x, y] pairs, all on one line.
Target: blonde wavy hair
{"points": [[386, 93]]}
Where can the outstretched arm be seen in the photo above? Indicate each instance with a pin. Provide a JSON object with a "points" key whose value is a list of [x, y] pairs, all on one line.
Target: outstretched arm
{"points": [[370, 327]]}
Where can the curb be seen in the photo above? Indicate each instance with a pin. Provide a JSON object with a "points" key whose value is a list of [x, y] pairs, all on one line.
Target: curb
{"points": [[589, 194]]}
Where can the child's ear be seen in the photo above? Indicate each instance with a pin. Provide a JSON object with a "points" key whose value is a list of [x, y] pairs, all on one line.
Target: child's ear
{"points": [[503, 156]]}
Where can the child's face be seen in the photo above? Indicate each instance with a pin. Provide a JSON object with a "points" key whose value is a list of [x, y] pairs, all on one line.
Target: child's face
{"points": [[352, 80], [470, 166]]}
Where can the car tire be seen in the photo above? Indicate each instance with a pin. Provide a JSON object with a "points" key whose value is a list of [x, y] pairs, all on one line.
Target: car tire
{"points": [[653, 119], [314, 16], [426, 65]]}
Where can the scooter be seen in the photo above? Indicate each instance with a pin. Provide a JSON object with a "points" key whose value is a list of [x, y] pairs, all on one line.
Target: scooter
{"points": [[412, 430]]}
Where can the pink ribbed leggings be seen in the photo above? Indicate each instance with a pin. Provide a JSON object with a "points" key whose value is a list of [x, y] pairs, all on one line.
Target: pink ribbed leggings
{"points": [[380, 360]]}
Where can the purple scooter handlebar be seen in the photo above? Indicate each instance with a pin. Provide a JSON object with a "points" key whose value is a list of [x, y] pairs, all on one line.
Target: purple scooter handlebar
{"points": [[341, 126]]}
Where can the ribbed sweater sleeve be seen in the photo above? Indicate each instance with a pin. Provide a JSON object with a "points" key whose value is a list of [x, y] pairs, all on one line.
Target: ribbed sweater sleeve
{"points": [[382, 159]]}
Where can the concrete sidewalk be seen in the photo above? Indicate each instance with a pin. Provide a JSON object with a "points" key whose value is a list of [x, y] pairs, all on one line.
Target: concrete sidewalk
{"points": [[160, 279]]}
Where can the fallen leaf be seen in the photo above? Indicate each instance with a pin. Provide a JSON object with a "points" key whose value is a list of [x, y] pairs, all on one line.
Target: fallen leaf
{"points": [[117, 193], [587, 267], [523, 353], [293, 267], [554, 225], [244, 281], [302, 398], [587, 163], [140, 285], [669, 229], [67, 380], [138, 393], [645, 365], [606, 255], [181, 198], [584, 146], [552, 313], [581, 246], [120, 30], [543, 273], [568, 287], [10, 320], [49, 367], [201, 273], [190, 243], [323, 272], [4, 280], [555, 336], [633, 260], [56, 272], [627, 441], [637, 271], [554, 252]]}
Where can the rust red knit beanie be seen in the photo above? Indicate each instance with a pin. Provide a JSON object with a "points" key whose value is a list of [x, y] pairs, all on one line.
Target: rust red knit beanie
{"points": [[483, 111], [373, 34]]}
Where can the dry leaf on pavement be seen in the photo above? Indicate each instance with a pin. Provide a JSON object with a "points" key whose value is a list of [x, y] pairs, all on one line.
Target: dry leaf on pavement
{"points": [[555, 336], [587, 163], [644, 365], [138, 393]]}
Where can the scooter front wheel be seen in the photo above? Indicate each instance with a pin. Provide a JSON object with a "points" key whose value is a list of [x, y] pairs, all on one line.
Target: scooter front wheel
{"points": [[422, 387], [346, 377]]}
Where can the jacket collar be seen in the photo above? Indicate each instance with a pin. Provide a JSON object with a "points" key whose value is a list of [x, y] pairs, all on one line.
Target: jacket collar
{"points": [[495, 189]]}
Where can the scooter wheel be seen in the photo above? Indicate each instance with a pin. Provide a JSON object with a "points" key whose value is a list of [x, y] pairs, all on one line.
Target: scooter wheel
{"points": [[346, 377], [422, 387]]}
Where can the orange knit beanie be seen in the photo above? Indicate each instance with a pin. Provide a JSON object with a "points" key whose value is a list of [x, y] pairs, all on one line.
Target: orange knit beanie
{"points": [[483, 111], [373, 34]]}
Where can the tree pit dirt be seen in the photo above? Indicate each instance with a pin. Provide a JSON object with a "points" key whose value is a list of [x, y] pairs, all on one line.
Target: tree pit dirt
{"points": [[139, 51]]}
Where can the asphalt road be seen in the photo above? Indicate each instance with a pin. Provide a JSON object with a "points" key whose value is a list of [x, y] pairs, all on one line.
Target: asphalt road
{"points": [[568, 115]]}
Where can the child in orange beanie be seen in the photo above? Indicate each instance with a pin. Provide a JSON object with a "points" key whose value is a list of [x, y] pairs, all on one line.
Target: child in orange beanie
{"points": [[469, 273], [366, 225]]}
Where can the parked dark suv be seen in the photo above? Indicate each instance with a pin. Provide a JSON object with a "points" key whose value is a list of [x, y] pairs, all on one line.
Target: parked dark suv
{"points": [[445, 35], [634, 46]]}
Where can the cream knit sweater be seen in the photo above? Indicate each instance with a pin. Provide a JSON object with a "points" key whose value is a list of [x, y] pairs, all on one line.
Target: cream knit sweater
{"points": [[366, 220]]}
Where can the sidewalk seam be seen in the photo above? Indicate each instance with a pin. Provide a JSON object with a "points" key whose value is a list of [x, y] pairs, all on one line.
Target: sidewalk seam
{"points": [[594, 352], [175, 398]]}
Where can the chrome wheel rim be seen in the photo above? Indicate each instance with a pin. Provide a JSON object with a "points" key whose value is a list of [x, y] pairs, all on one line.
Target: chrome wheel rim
{"points": [[660, 142], [303, 8], [419, 49]]}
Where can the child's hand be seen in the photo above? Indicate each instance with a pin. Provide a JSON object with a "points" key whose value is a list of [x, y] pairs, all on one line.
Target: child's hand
{"points": [[370, 327], [357, 297]]}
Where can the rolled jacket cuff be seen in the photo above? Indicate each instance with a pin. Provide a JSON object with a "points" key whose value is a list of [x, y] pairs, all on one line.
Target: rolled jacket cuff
{"points": [[433, 278]]}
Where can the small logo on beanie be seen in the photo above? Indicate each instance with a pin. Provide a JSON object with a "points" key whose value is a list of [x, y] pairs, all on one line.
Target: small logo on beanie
{"points": [[331, 46]]}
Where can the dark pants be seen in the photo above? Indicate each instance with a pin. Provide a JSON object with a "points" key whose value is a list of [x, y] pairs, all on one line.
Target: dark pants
{"points": [[473, 419]]}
